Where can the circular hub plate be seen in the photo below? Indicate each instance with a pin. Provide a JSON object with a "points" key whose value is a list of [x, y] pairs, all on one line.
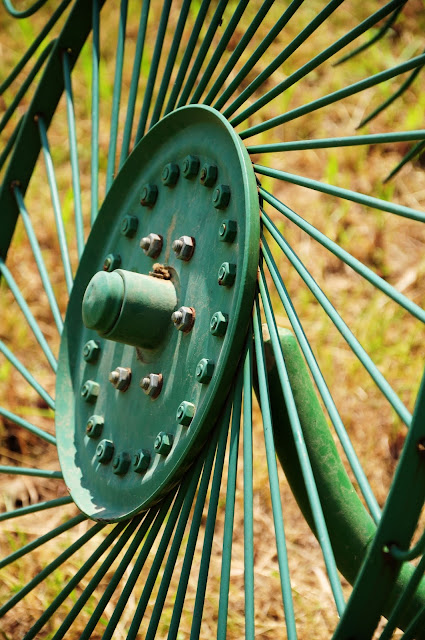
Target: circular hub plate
{"points": [[139, 442]]}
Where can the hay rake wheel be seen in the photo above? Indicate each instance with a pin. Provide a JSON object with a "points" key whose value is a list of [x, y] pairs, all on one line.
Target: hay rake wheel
{"points": [[161, 305]]}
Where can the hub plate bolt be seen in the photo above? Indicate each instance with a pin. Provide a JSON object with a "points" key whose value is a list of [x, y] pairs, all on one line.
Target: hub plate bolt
{"points": [[184, 247], [90, 391], [105, 451], [204, 370], [94, 426], [170, 174], [152, 245], [185, 413], [208, 175], [148, 195], [227, 274], [163, 443], [152, 384], [184, 318], [141, 460], [221, 196], [112, 262], [120, 378], [91, 351], [129, 226], [190, 167], [121, 463], [218, 323], [227, 231]]}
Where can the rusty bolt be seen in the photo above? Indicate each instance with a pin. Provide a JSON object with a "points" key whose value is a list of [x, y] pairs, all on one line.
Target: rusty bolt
{"points": [[184, 247], [120, 378], [112, 262], [94, 426], [227, 231], [221, 196], [183, 318], [208, 175], [152, 245], [227, 274], [152, 384]]}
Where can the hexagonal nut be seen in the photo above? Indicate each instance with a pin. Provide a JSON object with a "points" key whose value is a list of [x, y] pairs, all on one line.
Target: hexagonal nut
{"points": [[218, 323], [204, 370], [91, 351], [221, 196], [163, 443], [184, 248], [190, 167], [227, 274], [170, 174], [152, 384], [120, 378], [121, 463], [129, 226], [152, 245], [141, 460], [208, 175], [94, 426], [184, 318], [112, 262], [105, 451], [90, 391], [148, 195], [227, 231], [185, 413]]}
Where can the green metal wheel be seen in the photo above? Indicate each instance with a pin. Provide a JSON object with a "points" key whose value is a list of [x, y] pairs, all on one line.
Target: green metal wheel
{"points": [[160, 334]]}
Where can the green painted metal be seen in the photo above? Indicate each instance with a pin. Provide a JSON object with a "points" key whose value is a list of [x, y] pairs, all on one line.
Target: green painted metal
{"points": [[132, 307]]}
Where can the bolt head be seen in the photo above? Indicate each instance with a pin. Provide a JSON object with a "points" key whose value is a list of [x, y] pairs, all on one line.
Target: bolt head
{"points": [[152, 384], [112, 262], [190, 167], [105, 451], [148, 195], [120, 378], [91, 351], [152, 245], [90, 391], [94, 426], [184, 247], [184, 318], [185, 413], [221, 196], [227, 231], [163, 443], [218, 323], [170, 174], [121, 463], [208, 175], [129, 226], [227, 274], [204, 370], [141, 460]]}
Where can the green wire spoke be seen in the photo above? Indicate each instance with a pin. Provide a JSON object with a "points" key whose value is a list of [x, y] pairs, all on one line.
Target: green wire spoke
{"points": [[282, 554], [134, 83], [184, 65], [159, 103], [38, 542], [34, 46], [25, 471], [256, 56], [303, 457], [330, 98], [26, 85], [278, 61], [75, 580], [94, 159], [346, 257], [248, 493], [221, 47], [73, 151], [331, 143], [33, 508], [118, 574], [345, 194], [229, 514], [322, 386], [56, 203], [240, 48], [27, 425], [39, 259], [116, 96], [25, 13], [210, 524], [414, 151], [378, 35], [410, 554], [10, 143], [346, 333], [57, 562], [32, 323], [15, 362], [147, 98], [415, 626], [100, 573]]}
